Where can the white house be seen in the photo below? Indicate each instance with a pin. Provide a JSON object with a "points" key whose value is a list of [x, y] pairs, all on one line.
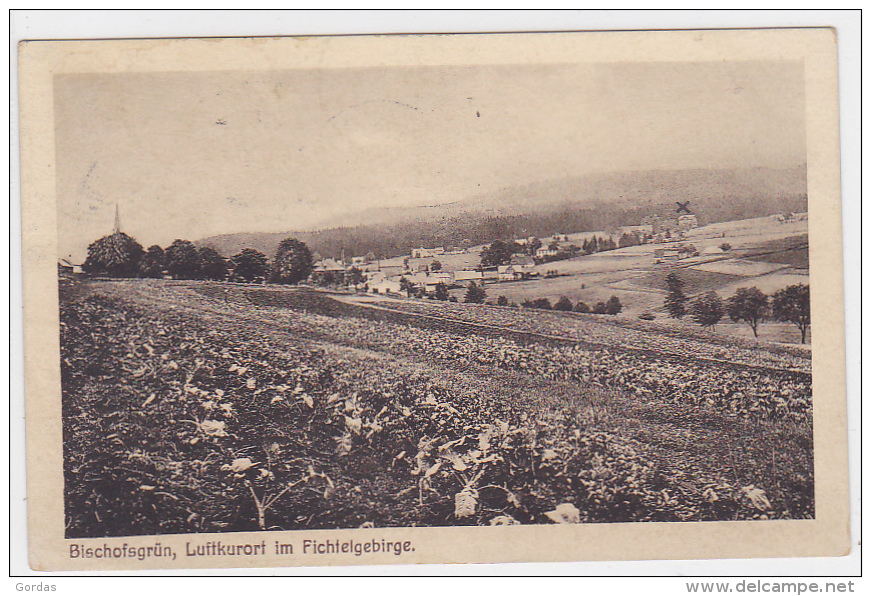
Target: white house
{"points": [[425, 253], [524, 264], [385, 286], [67, 267], [467, 275], [329, 265], [666, 254], [374, 277], [509, 273], [437, 278], [418, 278], [687, 222], [545, 251]]}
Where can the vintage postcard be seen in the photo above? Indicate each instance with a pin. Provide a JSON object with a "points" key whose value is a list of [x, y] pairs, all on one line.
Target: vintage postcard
{"points": [[433, 299]]}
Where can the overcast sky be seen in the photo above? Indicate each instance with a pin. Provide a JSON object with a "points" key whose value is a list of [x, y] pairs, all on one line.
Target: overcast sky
{"points": [[188, 155]]}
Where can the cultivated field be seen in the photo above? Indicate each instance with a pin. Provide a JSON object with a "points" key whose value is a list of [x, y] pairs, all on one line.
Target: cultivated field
{"points": [[202, 407], [764, 253]]}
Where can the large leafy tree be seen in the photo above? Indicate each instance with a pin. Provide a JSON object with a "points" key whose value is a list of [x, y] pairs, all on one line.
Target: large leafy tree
{"points": [[793, 305], [249, 265], [749, 305], [675, 300], [152, 262], [213, 265], [183, 260], [117, 255], [707, 309], [498, 253], [293, 262]]}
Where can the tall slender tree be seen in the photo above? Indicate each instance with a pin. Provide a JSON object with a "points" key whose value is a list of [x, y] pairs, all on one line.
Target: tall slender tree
{"points": [[675, 300]]}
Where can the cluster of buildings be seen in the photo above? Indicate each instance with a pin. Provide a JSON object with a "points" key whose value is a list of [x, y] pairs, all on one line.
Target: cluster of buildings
{"points": [[790, 217], [390, 282], [674, 253], [427, 253], [673, 225], [379, 277]]}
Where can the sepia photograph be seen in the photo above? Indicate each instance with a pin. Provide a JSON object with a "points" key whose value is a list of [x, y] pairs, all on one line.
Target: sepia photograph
{"points": [[430, 293]]}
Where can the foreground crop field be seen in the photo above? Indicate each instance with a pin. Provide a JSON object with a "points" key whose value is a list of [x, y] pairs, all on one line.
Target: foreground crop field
{"points": [[202, 407]]}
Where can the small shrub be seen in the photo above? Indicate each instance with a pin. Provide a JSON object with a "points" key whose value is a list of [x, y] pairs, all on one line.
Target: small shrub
{"points": [[542, 303], [563, 304], [475, 294]]}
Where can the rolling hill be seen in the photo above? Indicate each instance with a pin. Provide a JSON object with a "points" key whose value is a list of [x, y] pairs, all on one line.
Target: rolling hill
{"points": [[543, 208]]}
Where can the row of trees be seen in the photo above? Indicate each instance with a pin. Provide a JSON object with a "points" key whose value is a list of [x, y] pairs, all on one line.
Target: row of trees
{"points": [[611, 307], [500, 252], [596, 244], [747, 305], [119, 255]]}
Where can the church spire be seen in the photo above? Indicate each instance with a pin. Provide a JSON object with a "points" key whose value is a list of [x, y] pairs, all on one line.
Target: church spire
{"points": [[117, 220]]}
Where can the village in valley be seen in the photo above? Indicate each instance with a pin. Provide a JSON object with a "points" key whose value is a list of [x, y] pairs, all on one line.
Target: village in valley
{"points": [[586, 269], [620, 271]]}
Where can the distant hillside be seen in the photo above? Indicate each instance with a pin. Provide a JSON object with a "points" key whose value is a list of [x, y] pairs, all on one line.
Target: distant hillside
{"points": [[555, 206]]}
